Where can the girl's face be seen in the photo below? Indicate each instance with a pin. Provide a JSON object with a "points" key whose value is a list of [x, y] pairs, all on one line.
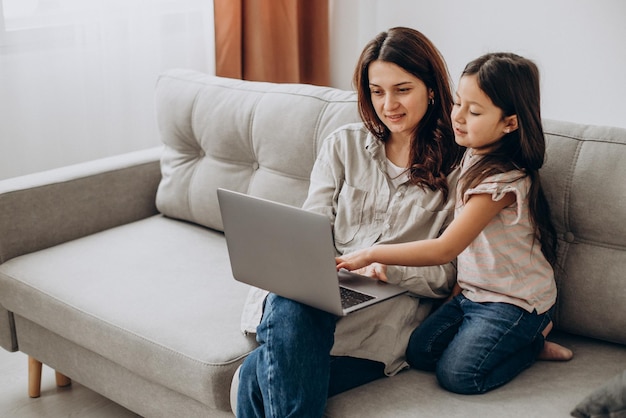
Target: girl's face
{"points": [[478, 123], [399, 98]]}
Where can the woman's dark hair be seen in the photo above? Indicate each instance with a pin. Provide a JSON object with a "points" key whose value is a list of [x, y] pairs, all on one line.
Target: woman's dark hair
{"points": [[512, 84], [434, 152]]}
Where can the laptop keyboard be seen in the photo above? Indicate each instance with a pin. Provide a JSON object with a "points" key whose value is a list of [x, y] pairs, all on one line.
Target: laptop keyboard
{"points": [[351, 297]]}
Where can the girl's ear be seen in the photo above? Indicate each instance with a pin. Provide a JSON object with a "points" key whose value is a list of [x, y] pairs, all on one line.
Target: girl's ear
{"points": [[510, 124]]}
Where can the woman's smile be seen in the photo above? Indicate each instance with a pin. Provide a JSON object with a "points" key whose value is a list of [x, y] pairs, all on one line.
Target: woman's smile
{"points": [[396, 117]]}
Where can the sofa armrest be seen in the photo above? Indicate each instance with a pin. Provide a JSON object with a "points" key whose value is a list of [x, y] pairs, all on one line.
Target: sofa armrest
{"points": [[41, 210]]}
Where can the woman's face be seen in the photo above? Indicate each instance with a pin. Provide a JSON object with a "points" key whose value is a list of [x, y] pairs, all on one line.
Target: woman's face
{"points": [[399, 98]]}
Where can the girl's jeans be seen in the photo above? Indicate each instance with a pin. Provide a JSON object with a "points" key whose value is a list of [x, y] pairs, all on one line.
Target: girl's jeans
{"points": [[475, 347], [288, 375]]}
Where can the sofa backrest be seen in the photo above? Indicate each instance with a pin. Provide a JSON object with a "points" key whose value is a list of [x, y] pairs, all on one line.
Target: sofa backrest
{"points": [[252, 137], [262, 139], [585, 181]]}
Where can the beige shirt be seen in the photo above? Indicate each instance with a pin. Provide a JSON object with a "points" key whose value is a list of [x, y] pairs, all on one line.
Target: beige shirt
{"points": [[350, 185], [505, 263]]}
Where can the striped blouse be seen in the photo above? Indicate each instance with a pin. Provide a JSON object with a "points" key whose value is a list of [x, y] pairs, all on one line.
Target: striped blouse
{"points": [[505, 263]]}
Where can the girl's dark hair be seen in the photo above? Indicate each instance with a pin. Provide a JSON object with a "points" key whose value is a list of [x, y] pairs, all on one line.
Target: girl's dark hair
{"points": [[512, 84], [434, 152]]}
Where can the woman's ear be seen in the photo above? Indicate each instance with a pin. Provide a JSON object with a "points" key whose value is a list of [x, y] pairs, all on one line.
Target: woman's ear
{"points": [[510, 124]]}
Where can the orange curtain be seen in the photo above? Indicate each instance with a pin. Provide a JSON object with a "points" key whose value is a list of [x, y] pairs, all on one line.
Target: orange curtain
{"points": [[283, 41]]}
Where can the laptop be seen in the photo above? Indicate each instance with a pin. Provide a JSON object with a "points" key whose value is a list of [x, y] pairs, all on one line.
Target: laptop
{"points": [[290, 251]]}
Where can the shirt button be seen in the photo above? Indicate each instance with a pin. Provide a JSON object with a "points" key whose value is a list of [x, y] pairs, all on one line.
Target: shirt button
{"points": [[387, 226]]}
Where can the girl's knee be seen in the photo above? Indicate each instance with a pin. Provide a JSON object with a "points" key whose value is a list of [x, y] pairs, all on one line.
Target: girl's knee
{"points": [[459, 377], [458, 383]]}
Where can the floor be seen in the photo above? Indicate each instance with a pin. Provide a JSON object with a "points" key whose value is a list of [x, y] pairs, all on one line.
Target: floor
{"points": [[73, 401]]}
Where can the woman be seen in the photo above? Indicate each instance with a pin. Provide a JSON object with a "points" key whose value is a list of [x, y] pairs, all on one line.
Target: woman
{"points": [[389, 179]]}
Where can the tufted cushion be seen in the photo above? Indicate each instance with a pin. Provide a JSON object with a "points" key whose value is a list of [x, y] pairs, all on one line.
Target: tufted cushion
{"points": [[262, 139], [584, 180], [252, 137]]}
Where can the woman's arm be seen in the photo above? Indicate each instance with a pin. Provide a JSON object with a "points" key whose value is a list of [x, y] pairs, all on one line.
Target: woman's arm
{"points": [[326, 179], [474, 217]]}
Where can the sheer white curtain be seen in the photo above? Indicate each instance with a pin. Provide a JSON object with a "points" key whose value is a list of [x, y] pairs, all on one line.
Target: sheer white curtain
{"points": [[77, 76]]}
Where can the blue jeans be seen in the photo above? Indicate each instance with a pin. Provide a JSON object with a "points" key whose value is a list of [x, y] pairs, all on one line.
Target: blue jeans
{"points": [[476, 347], [291, 373]]}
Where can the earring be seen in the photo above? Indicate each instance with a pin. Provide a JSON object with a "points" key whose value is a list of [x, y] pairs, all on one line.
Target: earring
{"points": [[507, 130], [431, 101]]}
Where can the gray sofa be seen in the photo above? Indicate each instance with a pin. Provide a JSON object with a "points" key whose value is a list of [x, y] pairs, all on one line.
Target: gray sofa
{"points": [[115, 272]]}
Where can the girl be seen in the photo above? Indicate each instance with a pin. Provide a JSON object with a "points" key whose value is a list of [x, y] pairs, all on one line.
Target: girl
{"points": [[502, 235], [369, 178]]}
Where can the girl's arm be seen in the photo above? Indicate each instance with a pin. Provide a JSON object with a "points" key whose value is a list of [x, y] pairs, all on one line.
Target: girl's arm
{"points": [[477, 213]]}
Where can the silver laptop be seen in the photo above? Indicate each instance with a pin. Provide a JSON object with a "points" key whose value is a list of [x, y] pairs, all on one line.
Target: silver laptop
{"points": [[290, 251]]}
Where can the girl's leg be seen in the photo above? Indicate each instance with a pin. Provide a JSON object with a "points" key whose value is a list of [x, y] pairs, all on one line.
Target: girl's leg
{"points": [[494, 344], [287, 375], [429, 340]]}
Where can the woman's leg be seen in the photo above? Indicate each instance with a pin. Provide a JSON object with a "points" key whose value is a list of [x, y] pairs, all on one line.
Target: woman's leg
{"points": [[493, 345], [249, 399], [288, 374], [349, 372], [429, 340]]}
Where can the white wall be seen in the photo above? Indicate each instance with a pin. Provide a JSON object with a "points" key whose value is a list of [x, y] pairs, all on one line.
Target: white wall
{"points": [[77, 77], [579, 45]]}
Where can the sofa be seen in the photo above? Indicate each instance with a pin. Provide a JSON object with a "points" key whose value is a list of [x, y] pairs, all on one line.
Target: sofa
{"points": [[115, 272]]}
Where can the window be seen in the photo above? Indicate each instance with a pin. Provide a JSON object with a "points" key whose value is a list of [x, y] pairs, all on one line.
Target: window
{"points": [[77, 76]]}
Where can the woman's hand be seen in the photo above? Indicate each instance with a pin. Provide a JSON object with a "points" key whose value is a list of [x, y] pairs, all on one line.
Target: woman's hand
{"points": [[375, 271]]}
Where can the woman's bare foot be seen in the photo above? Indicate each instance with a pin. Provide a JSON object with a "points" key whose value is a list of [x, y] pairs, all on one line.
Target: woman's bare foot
{"points": [[552, 351]]}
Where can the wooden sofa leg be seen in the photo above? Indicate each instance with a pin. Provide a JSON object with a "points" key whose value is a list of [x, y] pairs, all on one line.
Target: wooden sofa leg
{"points": [[62, 380], [34, 377]]}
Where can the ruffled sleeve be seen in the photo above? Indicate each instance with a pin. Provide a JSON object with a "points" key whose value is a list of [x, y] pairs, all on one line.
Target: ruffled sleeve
{"points": [[499, 185]]}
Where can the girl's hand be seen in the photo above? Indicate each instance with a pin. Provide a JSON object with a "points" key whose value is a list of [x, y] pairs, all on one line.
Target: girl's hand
{"points": [[353, 261]]}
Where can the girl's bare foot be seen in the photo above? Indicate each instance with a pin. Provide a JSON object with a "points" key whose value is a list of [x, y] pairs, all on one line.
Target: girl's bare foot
{"points": [[552, 351], [547, 330], [555, 352]]}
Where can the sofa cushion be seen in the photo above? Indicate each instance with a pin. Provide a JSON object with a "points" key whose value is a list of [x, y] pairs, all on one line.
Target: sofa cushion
{"points": [[584, 181], [252, 137], [154, 296], [608, 401], [548, 389]]}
